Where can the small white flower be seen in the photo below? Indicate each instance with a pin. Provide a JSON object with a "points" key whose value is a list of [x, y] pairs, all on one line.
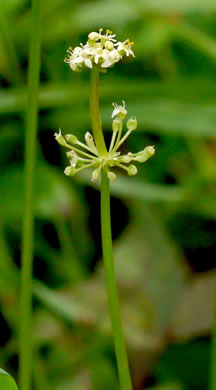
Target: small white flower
{"points": [[99, 53], [77, 60], [119, 111], [125, 48], [76, 51], [109, 35], [108, 61], [110, 58], [101, 50]]}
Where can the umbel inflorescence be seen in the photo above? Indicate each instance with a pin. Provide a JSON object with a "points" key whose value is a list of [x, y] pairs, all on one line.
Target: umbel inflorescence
{"points": [[102, 51], [85, 155]]}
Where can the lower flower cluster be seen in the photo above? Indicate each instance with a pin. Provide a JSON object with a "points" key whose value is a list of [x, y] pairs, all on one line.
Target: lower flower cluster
{"points": [[85, 155]]}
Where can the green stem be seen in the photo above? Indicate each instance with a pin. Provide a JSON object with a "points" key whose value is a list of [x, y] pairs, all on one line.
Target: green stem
{"points": [[111, 285], [25, 370], [95, 114], [213, 352]]}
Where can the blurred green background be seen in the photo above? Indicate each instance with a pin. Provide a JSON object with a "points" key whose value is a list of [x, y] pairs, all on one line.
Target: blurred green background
{"points": [[164, 219]]}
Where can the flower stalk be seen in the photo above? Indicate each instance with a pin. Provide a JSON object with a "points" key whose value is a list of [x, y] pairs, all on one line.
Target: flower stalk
{"points": [[95, 113], [111, 286]]}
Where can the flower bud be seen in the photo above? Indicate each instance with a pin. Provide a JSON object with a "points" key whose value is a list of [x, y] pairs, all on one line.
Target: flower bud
{"points": [[132, 170], [109, 45], [96, 174], [119, 111], [71, 139], [116, 125], [70, 171], [89, 140], [60, 139], [111, 176], [148, 152], [114, 55], [132, 123], [94, 36]]}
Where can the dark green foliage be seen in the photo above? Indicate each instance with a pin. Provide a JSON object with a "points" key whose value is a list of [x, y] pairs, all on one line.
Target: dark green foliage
{"points": [[167, 223]]}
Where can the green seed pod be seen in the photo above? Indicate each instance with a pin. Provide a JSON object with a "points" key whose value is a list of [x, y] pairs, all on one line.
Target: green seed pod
{"points": [[143, 156], [70, 171], [116, 125], [60, 138], [111, 176], [132, 170], [132, 123], [71, 139]]}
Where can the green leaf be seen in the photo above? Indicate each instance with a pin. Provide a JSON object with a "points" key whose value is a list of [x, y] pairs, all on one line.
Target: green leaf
{"points": [[6, 381]]}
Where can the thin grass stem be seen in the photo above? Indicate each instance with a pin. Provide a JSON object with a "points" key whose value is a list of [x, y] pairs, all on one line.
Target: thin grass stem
{"points": [[25, 347]]}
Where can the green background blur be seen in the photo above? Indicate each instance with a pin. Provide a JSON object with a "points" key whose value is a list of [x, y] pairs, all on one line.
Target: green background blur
{"points": [[164, 219]]}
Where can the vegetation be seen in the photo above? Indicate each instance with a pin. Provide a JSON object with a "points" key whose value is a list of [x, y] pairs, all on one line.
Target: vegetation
{"points": [[163, 219]]}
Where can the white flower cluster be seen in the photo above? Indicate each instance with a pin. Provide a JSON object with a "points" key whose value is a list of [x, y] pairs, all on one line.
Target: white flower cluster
{"points": [[84, 156], [101, 51]]}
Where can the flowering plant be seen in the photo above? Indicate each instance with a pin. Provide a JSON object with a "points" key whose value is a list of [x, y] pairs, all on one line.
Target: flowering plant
{"points": [[100, 52]]}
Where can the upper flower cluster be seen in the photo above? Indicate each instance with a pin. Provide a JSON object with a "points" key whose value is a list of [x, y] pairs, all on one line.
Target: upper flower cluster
{"points": [[84, 156], [101, 51]]}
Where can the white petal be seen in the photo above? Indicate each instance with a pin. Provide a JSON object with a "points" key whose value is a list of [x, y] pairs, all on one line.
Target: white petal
{"points": [[106, 64], [73, 66], [77, 60], [115, 112], [88, 63], [77, 50]]}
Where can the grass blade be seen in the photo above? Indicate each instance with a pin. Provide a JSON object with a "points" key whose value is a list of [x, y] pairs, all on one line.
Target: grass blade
{"points": [[6, 381]]}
